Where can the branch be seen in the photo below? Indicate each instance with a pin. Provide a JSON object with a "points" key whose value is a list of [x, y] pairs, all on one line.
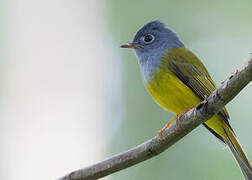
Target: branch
{"points": [[196, 116]]}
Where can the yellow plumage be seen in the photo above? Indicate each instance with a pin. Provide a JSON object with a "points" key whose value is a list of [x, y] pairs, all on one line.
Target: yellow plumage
{"points": [[173, 95], [181, 82]]}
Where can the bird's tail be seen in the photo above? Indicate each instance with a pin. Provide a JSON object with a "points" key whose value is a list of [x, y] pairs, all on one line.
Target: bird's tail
{"points": [[238, 153]]}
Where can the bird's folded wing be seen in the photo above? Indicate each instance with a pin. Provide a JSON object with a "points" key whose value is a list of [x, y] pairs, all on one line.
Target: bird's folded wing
{"points": [[190, 70]]}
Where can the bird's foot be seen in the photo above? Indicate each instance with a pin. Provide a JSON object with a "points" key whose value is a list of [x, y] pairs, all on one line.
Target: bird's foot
{"points": [[160, 132], [177, 117]]}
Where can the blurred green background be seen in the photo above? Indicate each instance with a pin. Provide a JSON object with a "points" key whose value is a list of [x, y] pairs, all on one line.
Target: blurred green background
{"points": [[72, 97]]}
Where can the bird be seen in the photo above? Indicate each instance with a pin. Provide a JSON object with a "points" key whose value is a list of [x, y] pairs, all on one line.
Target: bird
{"points": [[177, 80]]}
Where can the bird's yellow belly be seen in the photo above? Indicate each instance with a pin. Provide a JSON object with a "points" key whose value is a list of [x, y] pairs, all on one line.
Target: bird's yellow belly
{"points": [[173, 95]]}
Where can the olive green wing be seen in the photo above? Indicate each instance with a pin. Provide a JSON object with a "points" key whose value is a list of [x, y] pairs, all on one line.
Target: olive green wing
{"points": [[190, 70]]}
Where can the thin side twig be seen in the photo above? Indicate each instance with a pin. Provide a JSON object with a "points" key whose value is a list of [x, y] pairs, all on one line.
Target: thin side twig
{"points": [[201, 113]]}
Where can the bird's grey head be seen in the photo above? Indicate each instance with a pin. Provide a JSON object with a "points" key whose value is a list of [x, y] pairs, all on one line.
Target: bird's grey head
{"points": [[153, 39], [150, 43]]}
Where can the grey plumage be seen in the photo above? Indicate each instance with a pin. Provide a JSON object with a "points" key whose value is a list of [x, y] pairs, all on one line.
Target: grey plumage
{"points": [[150, 55]]}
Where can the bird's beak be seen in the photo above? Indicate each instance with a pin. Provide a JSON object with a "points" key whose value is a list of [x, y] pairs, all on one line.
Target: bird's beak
{"points": [[131, 45]]}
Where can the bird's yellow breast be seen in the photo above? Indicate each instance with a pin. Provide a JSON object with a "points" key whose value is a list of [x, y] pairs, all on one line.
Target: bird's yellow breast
{"points": [[170, 92], [173, 95]]}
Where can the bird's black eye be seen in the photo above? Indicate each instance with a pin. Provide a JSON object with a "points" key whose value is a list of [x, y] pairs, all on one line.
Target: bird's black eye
{"points": [[148, 38]]}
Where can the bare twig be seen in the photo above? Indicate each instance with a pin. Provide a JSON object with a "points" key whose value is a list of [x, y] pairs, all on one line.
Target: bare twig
{"points": [[201, 113]]}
